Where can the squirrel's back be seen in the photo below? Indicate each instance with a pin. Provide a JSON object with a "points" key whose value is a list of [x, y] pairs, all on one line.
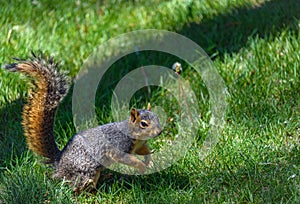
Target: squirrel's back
{"points": [[49, 88]]}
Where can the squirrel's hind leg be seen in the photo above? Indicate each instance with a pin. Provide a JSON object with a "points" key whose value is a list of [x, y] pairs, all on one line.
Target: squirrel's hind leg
{"points": [[85, 181]]}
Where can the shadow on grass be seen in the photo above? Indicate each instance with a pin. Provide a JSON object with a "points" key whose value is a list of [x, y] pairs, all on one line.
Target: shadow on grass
{"points": [[12, 141], [222, 34], [150, 182]]}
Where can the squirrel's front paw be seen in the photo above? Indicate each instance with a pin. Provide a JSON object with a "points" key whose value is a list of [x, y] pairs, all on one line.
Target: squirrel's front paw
{"points": [[148, 161], [142, 168], [150, 164]]}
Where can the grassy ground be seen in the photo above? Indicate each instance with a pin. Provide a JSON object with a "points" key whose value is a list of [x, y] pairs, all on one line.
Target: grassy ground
{"points": [[255, 46]]}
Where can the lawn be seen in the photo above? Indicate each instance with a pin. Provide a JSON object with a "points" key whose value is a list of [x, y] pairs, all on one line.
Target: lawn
{"points": [[253, 44]]}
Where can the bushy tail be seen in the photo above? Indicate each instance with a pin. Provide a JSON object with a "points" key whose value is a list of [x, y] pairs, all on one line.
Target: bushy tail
{"points": [[50, 87]]}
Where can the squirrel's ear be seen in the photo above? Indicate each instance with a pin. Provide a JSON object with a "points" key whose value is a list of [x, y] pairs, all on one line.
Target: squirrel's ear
{"points": [[149, 107], [134, 115]]}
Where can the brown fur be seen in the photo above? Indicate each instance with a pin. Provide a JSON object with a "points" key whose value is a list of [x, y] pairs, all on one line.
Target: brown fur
{"points": [[38, 125], [37, 116]]}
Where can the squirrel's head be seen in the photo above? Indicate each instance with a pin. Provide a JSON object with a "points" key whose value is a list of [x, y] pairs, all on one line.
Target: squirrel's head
{"points": [[143, 124]]}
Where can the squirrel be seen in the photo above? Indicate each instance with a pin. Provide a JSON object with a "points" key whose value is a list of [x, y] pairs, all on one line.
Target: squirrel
{"points": [[87, 152]]}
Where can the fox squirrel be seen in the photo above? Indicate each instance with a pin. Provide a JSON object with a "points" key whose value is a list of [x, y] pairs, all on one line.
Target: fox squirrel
{"points": [[89, 151]]}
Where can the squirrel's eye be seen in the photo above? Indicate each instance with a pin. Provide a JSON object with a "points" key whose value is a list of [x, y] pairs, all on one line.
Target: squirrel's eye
{"points": [[144, 124]]}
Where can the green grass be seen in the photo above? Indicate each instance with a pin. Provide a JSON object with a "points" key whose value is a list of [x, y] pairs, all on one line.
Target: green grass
{"points": [[255, 46]]}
